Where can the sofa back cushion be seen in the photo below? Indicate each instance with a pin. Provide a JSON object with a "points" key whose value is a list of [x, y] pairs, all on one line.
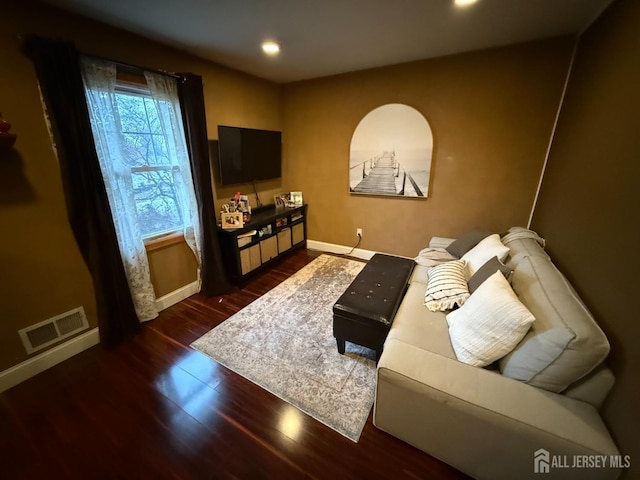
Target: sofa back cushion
{"points": [[521, 248], [564, 343], [466, 242]]}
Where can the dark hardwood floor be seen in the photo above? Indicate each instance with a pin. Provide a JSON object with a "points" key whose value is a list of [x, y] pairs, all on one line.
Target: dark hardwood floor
{"points": [[155, 408]]}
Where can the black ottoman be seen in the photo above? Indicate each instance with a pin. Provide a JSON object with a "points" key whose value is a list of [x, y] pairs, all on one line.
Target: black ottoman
{"points": [[365, 311]]}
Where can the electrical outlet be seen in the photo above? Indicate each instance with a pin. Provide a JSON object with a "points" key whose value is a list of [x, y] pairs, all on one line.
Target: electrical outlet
{"points": [[359, 232]]}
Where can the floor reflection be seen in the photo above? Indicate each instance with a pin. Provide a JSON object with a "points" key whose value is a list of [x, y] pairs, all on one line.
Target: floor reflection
{"points": [[194, 396], [291, 421]]}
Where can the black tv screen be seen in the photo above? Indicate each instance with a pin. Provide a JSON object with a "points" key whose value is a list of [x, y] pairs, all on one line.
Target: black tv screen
{"points": [[246, 154]]}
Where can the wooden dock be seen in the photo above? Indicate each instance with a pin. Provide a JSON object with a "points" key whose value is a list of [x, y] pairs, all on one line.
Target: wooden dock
{"points": [[381, 179]]}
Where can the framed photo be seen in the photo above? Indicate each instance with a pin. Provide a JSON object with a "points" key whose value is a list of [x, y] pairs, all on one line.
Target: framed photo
{"points": [[296, 199], [243, 203], [232, 220], [281, 200]]}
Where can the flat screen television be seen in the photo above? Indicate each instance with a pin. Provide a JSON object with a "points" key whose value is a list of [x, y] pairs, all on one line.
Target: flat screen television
{"points": [[246, 154]]}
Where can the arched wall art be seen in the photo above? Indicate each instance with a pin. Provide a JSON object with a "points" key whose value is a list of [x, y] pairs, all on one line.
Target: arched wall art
{"points": [[391, 151]]}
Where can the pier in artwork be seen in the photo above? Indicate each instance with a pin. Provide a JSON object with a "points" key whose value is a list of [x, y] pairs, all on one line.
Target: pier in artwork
{"points": [[383, 175]]}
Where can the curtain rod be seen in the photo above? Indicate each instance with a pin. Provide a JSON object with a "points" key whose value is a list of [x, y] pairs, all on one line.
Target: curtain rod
{"points": [[20, 37], [136, 67]]}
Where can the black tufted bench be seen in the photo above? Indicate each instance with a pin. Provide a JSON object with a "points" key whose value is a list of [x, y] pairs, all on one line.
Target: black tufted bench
{"points": [[364, 312]]}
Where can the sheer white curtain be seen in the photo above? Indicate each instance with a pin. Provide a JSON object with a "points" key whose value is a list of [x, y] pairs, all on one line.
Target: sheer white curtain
{"points": [[164, 91], [100, 82]]}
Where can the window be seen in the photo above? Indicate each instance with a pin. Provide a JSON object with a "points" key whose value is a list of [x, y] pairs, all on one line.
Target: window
{"points": [[141, 147], [146, 153]]}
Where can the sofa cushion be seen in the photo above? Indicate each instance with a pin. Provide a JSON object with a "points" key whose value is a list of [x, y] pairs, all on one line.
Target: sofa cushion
{"points": [[447, 286], [420, 275], [485, 271], [416, 325], [488, 248], [490, 323], [564, 343], [466, 242]]}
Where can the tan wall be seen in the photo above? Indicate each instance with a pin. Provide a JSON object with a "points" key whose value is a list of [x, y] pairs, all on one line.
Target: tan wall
{"points": [[42, 272], [491, 114], [588, 205], [171, 267]]}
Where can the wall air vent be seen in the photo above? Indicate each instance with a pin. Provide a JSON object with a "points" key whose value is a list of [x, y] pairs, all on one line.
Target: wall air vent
{"points": [[41, 335]]}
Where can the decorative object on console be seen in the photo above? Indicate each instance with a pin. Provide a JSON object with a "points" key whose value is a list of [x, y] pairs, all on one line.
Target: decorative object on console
{"points": [[286, 200], [238, 204], [281, 200], [244, 207], [7, 139], [232, 220], [390, 153], [296, 199], [243, 203]]}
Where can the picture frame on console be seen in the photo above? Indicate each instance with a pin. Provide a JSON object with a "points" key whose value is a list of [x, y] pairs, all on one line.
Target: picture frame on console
{"points": [[290, 199], [295, 199], [282, 200], [231, 220]]}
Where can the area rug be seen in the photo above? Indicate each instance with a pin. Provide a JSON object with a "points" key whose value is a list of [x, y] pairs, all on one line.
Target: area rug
{"points": [[284, 342]]}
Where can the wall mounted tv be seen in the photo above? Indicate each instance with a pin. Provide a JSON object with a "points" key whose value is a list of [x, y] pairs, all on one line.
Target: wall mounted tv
{"points": [[246, 154]]}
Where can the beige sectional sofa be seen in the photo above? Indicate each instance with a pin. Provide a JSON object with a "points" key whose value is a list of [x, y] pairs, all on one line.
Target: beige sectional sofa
{"points": [[540, 401]]}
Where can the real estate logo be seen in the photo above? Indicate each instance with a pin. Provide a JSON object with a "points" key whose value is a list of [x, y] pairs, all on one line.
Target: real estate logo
{"points": [[543, 461]]}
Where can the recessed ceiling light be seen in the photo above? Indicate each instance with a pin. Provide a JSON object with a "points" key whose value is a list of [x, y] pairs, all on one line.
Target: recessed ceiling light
{"points": [[464, 3], [271, 48]]}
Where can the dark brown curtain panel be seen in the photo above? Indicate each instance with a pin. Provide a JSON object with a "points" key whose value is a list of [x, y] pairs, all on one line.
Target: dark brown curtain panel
{"points": [[214, 280], [58, 68]]}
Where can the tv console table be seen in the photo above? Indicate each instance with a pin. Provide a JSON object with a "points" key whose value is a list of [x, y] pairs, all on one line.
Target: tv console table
{"points": [[278, 231]]}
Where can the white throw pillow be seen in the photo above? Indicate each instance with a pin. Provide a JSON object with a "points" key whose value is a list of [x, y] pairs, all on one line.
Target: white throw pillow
{"points": [[488, 248], [490, 324], [447, 286]]}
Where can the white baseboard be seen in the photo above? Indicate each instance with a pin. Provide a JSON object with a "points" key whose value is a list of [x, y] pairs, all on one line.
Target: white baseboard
{"points": [[31, 367], [49, 358], [341, 249], [177, 295]]}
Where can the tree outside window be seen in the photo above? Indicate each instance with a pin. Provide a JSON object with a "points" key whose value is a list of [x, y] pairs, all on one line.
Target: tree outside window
{"points": [[152, 173]]}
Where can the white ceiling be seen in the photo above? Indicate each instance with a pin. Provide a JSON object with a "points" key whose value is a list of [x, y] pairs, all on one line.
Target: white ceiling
{"points": [[326, 37]]}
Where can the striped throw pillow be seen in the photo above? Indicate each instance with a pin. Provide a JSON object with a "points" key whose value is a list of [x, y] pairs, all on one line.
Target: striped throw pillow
{"points": [[447, 286]]}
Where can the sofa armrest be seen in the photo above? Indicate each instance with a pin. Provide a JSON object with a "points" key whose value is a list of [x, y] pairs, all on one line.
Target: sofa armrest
{"points": [[482, 423]]}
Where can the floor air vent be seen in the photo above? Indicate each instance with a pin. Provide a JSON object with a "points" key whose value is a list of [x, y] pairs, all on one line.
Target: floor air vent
{"points": [[41, 335]]}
